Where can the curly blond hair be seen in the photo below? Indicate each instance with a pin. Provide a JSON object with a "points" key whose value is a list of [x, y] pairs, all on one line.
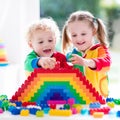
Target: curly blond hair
{"points": [[43, 24]]}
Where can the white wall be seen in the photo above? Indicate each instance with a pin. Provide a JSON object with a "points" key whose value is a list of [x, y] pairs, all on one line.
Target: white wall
{"points": [[15, 16]]}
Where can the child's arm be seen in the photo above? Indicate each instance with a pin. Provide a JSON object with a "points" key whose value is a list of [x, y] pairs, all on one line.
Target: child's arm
{"points": [[76, 59], [31, 62], [103, 60]]}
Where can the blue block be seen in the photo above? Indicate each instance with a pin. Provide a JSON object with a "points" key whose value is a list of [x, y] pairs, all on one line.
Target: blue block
{"points": [[118, 114], [15, 111]]}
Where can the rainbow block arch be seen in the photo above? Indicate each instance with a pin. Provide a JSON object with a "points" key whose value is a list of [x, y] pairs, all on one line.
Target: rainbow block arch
{"points": [[57, 84]]}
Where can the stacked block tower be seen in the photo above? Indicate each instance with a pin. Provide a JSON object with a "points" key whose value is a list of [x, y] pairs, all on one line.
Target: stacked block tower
{"points": [[3, 58], [43, 86]]}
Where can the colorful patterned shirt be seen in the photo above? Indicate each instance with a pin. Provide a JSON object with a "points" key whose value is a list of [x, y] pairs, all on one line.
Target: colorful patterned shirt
{"points": [[98, 76]]}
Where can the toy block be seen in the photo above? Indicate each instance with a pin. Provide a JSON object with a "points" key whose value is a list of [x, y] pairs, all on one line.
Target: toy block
{"points": [[1, 110], [105, 110], [74, 110], [46, 110], [111, 104], [15, 111], [118, 114], [117, 101], [66, 106], [109, 99], [33, 110], [78, 107], [56, 102], [56, 112], [71, 101], [40, 113], [57, 84], [95, 105], [98, 114], [52, 106], [84, 111], [24, 112]]}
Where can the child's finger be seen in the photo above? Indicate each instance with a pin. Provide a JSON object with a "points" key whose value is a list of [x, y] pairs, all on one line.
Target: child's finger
{"points": [[72, 59], [53, 59]]}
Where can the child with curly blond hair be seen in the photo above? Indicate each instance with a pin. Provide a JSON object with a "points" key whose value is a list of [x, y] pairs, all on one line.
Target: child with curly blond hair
{"points": [[42, 37]]}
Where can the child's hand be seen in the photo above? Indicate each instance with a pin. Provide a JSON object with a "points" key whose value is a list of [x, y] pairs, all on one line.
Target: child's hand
{"points": [[76, 59], [47, 62]]}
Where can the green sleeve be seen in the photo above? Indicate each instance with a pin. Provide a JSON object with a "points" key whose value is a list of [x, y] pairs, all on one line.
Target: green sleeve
{"points": [[28, 61]]}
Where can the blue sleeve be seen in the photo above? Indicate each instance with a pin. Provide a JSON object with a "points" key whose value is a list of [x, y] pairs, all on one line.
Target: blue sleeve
{"points": [[34, 63]]}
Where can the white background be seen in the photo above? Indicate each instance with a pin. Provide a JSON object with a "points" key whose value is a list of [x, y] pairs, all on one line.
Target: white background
{"points": [[15, 16]]}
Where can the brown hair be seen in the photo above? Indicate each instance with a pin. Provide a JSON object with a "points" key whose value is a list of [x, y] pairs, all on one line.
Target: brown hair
{"points": [[96, 23]]}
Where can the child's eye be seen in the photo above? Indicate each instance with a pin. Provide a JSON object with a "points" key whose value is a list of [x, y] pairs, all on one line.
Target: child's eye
{"points": [[40, 42], [74, 35], [50, 40], [83, 34]]}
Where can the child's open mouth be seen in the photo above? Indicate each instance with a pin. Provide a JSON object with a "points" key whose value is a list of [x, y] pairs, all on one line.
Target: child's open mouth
{"points": [[47, 51]]}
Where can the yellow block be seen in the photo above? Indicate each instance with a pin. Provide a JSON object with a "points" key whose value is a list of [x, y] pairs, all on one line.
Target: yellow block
{"points": [[56, 112], [98, 114]]}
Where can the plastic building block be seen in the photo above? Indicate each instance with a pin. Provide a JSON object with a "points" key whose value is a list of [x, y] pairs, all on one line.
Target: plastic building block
{"points": [[46, 110], [57, 84], [78, 107], [109, 99], [98, 114], [118, 114], [71, 101], [33, 111], [117, 101], [84, 111], [10, 108], [52, 106], [95, 105], [24, 112], [3, 97], [105, 110], [69, 55], [40, 113], [5, 105], [1, 110], [66, 106], [18, 103], [56, 102], [60, 112], [24, 104], [15, 111], [111, 104], [74, 110]]}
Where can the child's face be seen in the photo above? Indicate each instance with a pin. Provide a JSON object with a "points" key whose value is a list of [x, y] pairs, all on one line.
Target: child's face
{"points": [[81, 35], [43, 43]]}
